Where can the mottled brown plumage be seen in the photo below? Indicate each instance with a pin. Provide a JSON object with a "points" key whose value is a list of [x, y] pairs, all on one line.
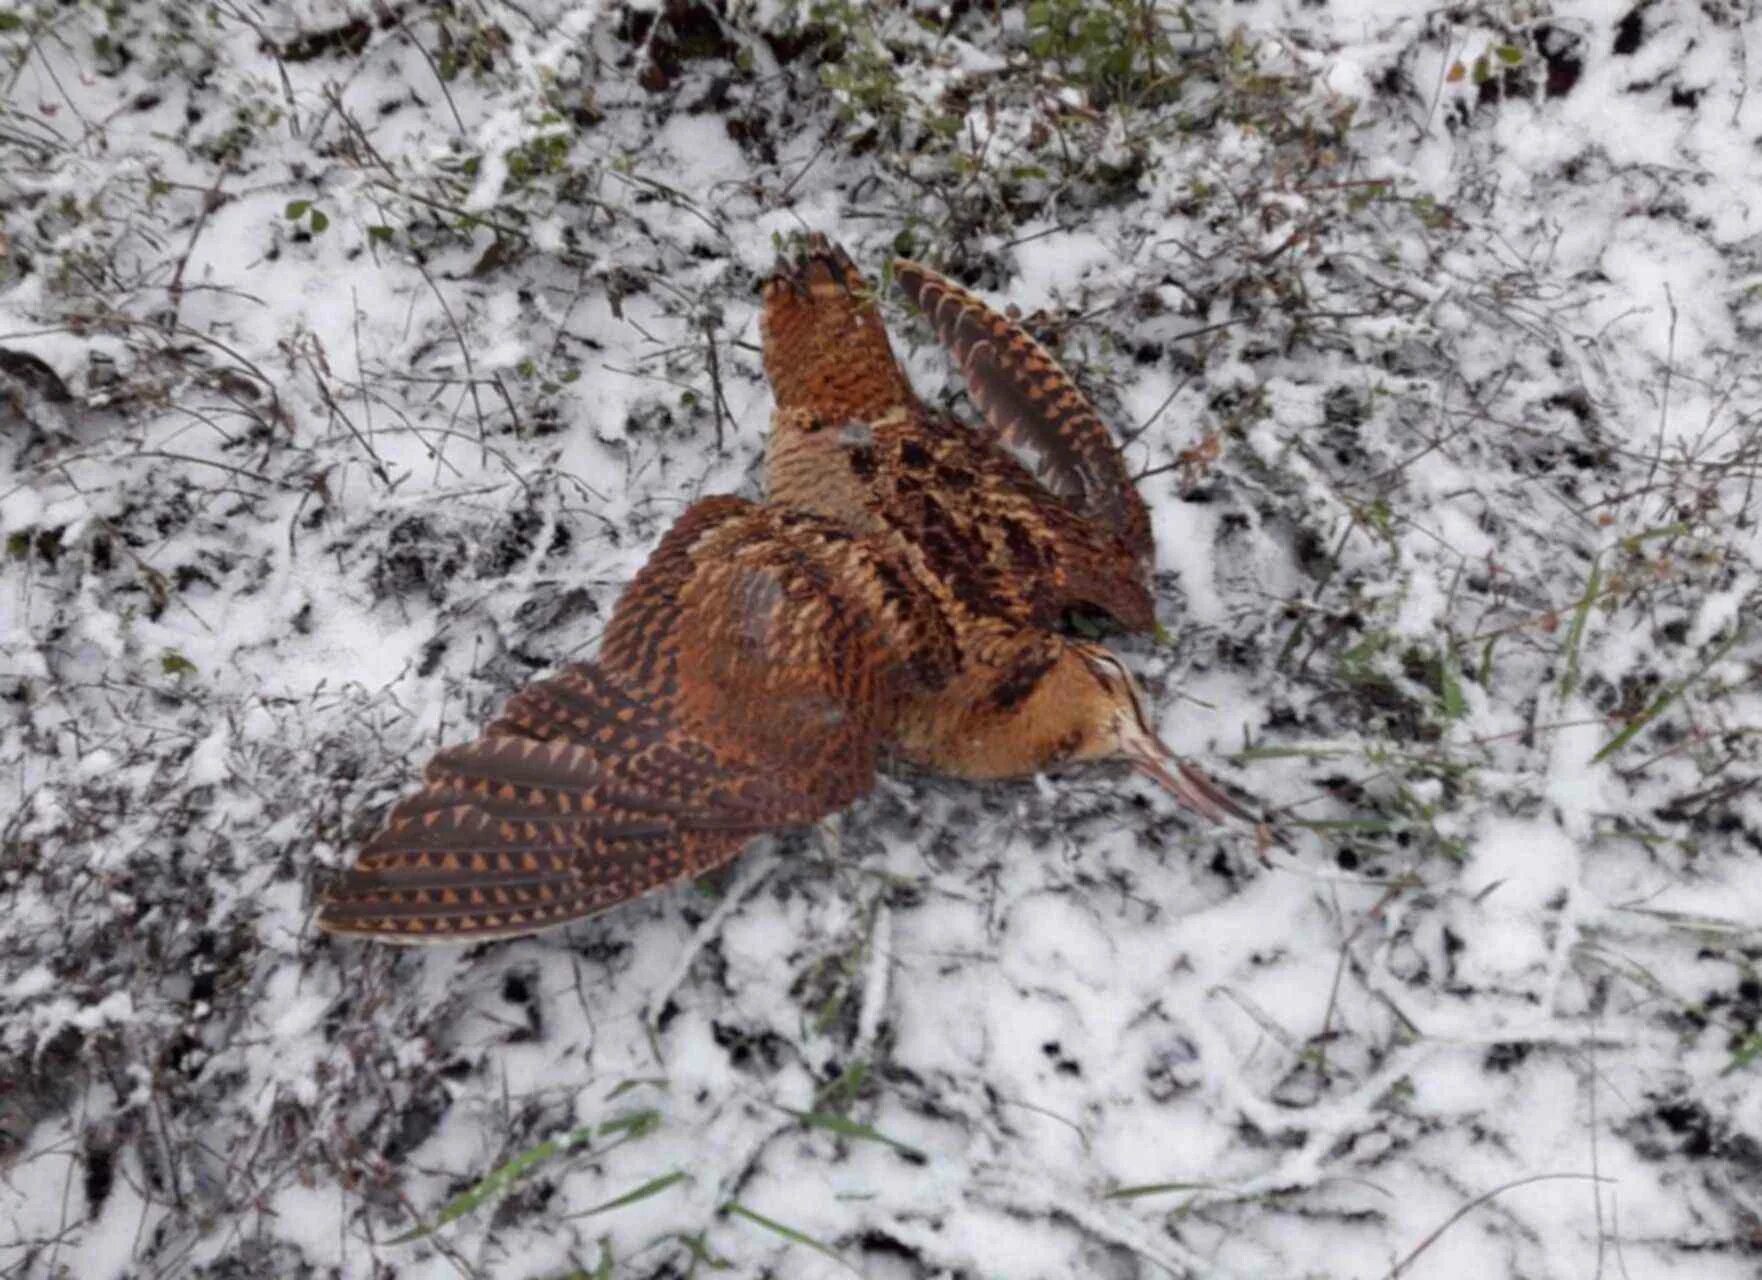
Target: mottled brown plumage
{"points": [[1032, 404], [826, 349], [749, 679], [851, 440], [1005, 557], [898, 596]]}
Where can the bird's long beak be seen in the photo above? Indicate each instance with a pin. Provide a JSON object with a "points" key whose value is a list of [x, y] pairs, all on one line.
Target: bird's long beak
{"points": [[1187, 783]]}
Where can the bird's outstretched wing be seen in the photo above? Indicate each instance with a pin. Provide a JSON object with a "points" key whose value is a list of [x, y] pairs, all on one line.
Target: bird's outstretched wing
{"points": [[743, 685], [1032, 404]]}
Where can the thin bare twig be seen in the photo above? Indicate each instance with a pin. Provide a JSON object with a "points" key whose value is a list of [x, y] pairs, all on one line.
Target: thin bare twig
{"points": [[720, 401]]}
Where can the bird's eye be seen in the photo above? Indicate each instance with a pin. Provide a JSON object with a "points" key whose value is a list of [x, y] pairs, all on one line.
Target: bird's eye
{"points": [[1111, 673]]}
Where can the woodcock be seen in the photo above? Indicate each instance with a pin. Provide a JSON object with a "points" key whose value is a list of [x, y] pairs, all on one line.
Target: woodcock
{"points": [[898, 596]]}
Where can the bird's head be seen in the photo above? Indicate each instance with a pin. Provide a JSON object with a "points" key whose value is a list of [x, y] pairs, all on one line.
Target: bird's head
{"points": [[1113, 725]]}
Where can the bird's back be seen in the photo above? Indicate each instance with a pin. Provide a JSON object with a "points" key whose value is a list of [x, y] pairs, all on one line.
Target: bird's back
{"points": [[851, 441]]}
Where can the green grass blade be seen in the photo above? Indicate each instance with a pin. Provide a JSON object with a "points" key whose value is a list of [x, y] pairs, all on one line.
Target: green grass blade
{"points": [[1575, 634], [1349, 824], [637, 1124], [1662, 702], [1638, 723], [1745, 1054], [497, 1181], [1450, 699], [790, 1234], [653, 1187], [501, 1178], [848, 1128], [1248, 754], [840, 1093], [1634, 541], [1155, 1189]]}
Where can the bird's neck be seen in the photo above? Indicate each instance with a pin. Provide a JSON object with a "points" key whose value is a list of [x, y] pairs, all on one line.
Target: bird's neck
{"points": [[1018, 707]]}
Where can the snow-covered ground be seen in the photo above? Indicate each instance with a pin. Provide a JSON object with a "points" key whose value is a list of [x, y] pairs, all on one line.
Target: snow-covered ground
{"points": [[352, 358]]}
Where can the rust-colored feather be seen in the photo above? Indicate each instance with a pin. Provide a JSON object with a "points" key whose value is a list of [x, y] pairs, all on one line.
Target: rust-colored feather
{"points": [[826, 349], [994, 540], [1008, 548], [457, 874], [1031, 402], [750, 675]]}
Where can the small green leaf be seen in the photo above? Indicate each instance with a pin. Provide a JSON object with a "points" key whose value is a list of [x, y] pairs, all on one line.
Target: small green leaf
{"points": [[10, 22], [840, 1093], [604, 1270], [297, 209], [320, 223], [379, 234], [1509, 54], [173, 663]]}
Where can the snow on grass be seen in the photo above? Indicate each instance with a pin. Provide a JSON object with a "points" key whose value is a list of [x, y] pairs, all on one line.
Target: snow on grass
{"points": [[391, 343]]}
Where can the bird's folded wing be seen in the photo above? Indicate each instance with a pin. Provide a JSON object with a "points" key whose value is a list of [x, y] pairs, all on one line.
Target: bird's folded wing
{"points": [[578, 728], [1092, 569], [984, 524], [657, 764], [1033, 405]]}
